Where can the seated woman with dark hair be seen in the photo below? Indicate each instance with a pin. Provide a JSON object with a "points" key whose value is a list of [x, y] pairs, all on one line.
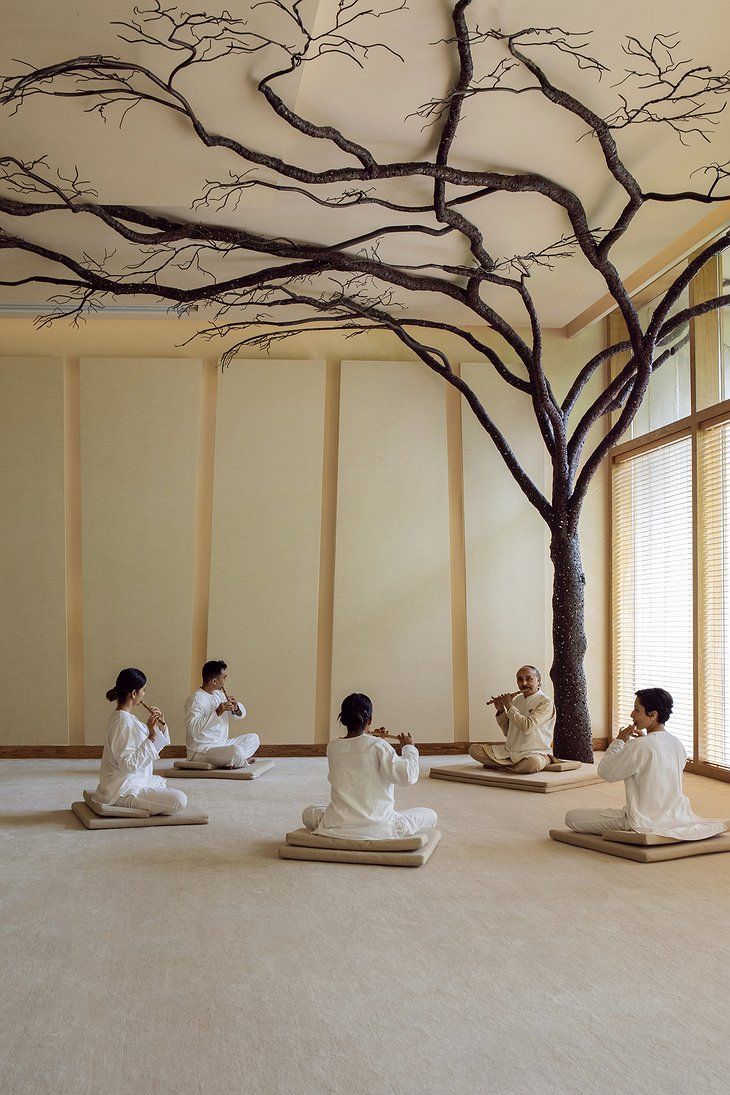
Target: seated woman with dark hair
{"points": [[130, 750], [650, 761], [362, 771]]}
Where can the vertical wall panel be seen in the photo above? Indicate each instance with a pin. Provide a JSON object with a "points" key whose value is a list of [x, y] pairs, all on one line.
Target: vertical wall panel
{"points": [[32, 554], [508, 588], [267, 513], [392, 620], [140, 433]]}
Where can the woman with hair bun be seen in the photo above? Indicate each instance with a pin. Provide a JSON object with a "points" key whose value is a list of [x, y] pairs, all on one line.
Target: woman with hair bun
{"points": [[130, 750], [362, 771]]}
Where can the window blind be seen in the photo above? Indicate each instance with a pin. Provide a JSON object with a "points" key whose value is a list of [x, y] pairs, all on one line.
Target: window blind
{"points": [[652, 581], [714, 593]]}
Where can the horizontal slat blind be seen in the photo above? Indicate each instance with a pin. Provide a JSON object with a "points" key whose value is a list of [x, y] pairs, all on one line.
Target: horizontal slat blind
{"points": [[652, 581], [714, 606]]}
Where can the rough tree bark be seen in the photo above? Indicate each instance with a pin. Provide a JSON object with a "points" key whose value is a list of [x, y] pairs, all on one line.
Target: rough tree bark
{"points": [[182, 261], [569, 645]]}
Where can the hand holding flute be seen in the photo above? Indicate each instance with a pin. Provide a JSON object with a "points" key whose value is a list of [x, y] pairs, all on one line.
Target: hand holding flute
{"points": [[630, 731], [155, 721], [396, 739], [503, 700], [231, 703]]}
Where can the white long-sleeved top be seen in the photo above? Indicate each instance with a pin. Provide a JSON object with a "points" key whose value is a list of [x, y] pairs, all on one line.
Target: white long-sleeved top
{"points": [[203, 728], [128, 757], [362, 772], [651, 767], [527, 724]]}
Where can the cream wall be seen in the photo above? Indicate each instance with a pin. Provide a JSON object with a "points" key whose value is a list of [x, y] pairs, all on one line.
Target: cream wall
{"points": [[265, 557], [267, 510], [392, 618], [140, 435], [32, 552]]}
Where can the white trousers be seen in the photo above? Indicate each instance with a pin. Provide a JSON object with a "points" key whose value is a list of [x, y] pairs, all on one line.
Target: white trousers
{"points": [[158, 800], [597, 821], [232, 754], [407, 822]]}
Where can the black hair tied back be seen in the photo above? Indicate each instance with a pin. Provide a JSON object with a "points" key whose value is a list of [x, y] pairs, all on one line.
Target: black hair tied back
{"points": [[356, 712], [128, 681]]}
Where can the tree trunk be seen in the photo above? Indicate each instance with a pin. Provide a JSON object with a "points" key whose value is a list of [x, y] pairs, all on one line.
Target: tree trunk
{"points": [[573, 736]]}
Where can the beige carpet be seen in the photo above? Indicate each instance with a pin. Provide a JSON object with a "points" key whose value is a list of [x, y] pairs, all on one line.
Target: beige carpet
{"points": [[191, 959]]}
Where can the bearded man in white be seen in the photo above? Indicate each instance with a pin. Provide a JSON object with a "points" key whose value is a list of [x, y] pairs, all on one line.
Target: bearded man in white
{"points": [[207, 715], [650, 761], [527, 720]]}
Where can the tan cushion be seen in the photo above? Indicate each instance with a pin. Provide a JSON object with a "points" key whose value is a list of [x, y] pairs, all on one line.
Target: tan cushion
{"points": [[302, 838], [195, 765], [624, 837], [381, 859], [188, 816], [251, 771], [543, 782], [112, 811], [562, 766], [641, 853]]}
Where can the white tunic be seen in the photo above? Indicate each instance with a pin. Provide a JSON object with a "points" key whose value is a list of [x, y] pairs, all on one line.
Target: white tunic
{"points": [[528, 724], [362, 772], [203, 728], [129, 753], [651, 767]]}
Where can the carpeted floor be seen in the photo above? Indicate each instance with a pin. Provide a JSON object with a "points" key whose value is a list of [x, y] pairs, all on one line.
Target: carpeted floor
{"points": [[192, 960]]}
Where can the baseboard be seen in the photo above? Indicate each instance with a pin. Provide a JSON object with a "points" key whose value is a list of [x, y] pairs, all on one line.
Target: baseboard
{"points": [[91, 752]]}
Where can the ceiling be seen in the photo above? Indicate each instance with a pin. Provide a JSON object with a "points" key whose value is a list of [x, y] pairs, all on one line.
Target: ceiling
{"points": [[156, 162]]}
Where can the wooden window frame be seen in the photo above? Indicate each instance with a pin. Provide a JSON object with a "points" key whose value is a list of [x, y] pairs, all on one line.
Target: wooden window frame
{"points": [[704, 342]]}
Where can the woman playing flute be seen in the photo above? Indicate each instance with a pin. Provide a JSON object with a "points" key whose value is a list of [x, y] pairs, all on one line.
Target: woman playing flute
{"points": [[527, 720], [363, 769], [130, 750]]}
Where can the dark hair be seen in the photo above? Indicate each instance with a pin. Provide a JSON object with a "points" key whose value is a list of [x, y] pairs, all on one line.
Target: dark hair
{"points": [[212, 669], [656, 699], [129, 680], [356, 712]]}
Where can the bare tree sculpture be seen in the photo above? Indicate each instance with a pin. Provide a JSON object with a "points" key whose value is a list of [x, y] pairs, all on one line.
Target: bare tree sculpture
{"points": [[300, 285]]}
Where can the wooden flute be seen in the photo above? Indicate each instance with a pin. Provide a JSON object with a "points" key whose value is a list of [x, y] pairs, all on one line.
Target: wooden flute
{"points": [[511, 696], [228, 698], [386, 737], [151, 711]]}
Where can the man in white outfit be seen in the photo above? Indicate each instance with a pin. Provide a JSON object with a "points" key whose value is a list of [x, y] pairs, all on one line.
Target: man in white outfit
{"points": [[650, 761], [362, 771], [207, 715], [527, 721]]}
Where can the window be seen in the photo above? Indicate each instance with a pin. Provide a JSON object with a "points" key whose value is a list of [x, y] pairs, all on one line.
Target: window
{"points": [[671, 558], [652, 581], [725, 327], [668, 397], [714, 593]]}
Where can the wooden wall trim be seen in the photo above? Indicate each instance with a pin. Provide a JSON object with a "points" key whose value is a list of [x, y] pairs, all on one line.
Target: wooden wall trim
{"points": [[91, 752]]}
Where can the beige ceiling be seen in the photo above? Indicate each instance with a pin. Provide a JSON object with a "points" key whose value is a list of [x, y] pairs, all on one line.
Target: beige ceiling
{"points": [[156, 162]]}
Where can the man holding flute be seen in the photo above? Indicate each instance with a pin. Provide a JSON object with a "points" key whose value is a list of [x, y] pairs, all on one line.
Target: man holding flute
{"points": [[207, 715], [527, 720]]}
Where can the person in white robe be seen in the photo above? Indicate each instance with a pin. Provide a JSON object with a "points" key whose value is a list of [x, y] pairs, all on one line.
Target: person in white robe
{"points": [[650, 761], [208, 713], [130, 751], [363, 769], [527, 721]]}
